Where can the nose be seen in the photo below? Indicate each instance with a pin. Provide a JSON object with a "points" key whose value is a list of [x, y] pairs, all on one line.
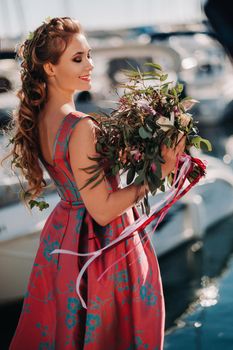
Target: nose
{"points": [[90, 65]]}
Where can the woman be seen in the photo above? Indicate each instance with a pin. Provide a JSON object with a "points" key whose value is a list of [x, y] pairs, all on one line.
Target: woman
{"points": [[125, 310]]}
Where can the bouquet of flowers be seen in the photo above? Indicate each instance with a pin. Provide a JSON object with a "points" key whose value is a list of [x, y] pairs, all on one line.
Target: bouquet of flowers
{"points": [[129, 139]]}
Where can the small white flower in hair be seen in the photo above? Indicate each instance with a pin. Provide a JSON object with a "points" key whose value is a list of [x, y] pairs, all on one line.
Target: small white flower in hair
{"points": [[47, 20]]}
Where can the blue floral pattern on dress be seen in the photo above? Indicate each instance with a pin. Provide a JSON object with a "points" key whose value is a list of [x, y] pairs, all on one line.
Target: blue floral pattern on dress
{"points": [[138, 344], [121, 279], [74, 305], [79, 217], [49, 247], [71, 320], [147, 294], [92, 322], [46, 346]]}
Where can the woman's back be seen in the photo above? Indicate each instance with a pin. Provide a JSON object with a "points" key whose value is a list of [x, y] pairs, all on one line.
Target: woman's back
{"points": [[125, 309]]}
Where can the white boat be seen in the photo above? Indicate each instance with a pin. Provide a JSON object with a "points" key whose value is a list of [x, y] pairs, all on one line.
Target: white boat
{"points": [[207, 72]]}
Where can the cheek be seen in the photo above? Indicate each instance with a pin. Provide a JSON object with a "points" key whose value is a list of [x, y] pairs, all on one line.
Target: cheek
{"points": [[71, 71], [68, 75]]}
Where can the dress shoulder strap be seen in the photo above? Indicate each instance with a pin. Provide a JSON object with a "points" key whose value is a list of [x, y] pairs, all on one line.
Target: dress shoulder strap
{"points": [[62, 141]]}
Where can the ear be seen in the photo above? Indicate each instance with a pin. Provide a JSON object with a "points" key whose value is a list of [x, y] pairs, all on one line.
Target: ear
{"points": [[49, 69]]}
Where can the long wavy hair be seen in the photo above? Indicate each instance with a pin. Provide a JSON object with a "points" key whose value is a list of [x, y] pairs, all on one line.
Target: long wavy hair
{"points": [[45, 44]]}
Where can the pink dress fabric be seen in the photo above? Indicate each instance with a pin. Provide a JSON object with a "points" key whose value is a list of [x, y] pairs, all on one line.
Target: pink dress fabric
{"points": [[125, 309]]}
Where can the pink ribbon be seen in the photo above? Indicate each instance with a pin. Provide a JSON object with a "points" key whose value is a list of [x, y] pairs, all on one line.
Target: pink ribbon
{"points": [[158, 210]]}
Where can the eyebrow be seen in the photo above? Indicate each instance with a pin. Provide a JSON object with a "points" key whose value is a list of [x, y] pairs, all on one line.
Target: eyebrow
{"points": [[80, 53]]}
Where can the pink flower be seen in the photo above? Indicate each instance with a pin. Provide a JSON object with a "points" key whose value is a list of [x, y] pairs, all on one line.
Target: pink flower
{"points": [[145, 106], [153, 167], [136, 154]]}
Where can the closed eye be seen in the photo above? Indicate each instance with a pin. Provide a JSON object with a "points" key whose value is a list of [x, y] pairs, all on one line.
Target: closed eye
{"points": [[79, 59]]}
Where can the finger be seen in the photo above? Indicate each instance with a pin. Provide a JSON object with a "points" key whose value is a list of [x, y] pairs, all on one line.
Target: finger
{"points": [[181, 140], [181, 144], [180, 150]]}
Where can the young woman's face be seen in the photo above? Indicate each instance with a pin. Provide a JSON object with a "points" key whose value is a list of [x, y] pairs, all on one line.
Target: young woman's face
{"points": [[73, 72]]}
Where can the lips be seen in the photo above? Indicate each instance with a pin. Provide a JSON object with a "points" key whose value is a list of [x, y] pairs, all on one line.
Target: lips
{"points": [[85, 77]]}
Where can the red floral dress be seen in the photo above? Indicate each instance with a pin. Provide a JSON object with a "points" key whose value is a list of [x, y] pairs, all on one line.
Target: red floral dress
{"points": [[125, 309]]}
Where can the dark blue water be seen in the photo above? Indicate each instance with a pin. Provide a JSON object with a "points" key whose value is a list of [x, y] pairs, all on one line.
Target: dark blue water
{"points": [[207, 321]]}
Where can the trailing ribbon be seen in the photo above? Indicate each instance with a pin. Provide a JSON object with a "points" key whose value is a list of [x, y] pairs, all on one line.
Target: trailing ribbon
{"points": [[185, 164]]}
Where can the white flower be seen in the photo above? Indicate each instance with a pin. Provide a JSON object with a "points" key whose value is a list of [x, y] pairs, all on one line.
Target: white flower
{"points": [[172, 118], [188, 104], [164, 123], [184, 119]]}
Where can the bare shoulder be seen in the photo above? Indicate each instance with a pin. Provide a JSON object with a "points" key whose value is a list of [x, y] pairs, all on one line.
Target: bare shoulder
{"points": [[85, 128]]}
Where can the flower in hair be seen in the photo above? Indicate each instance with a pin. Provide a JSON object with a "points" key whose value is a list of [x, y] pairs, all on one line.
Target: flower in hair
{"points": [[47, 20], [31, 35]]}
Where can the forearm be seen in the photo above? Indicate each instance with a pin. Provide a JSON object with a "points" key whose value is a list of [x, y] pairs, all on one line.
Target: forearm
{"points": [[121, 200]]}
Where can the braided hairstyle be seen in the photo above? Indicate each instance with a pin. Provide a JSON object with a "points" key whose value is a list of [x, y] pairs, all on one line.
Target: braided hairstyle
{"points": [[45, 44]]}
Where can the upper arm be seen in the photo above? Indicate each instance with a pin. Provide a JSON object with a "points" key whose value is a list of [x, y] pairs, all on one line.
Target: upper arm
{"points": [[81, 145]]}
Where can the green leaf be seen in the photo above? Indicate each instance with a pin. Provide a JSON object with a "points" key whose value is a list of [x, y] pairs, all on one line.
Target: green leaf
{"points": [[163, 77], [43, 205], [179, 87], [130, 175], [200, 143], [30, 35], [98, 182], [154, 65], [91, 169], [150, 123], [160, 159], [155, 179], [162, 188], [186, 98], [158, 170], [174, 92], [40, 204], [148, 127], [144, 134], [140, 178], [170, 178], [32, 203], [89, 181], [99, 147], [151, 73], [146, 205], [116, 169], [167, 141]]}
